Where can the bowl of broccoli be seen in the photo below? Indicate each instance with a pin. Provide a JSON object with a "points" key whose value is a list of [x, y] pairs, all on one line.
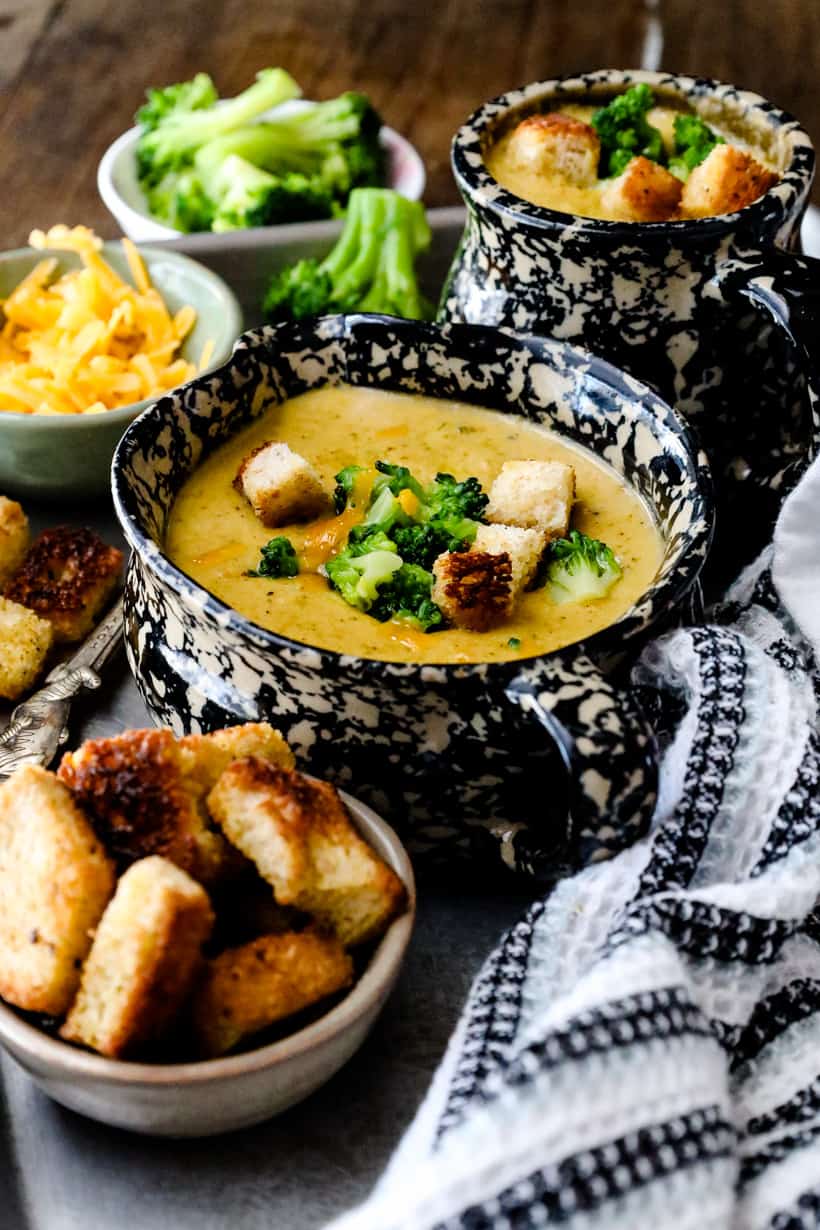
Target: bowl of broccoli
{"points": [[195, 162]]}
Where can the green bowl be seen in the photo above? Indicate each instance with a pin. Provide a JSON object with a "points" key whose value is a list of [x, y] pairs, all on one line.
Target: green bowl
{"points": [[50, 457]]}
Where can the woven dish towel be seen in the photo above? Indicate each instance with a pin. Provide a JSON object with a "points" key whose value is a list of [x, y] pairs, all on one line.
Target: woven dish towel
{"points": [[642, 1050]]}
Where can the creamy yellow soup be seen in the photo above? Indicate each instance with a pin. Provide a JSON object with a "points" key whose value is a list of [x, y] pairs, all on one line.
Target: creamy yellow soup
{"points": [[215, 537]]}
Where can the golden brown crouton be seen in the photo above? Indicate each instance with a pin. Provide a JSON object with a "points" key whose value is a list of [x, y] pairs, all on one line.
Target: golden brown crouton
{"points": [[533, 495], [303, 843], [474, 589], [728, 179], [524, 547], [14, 538], [55, 881], [557, 144], [206, 757], [25, 640], [134, 789], [67, 577], [644, 192], [142, 964], [280, 485], [247, 989]]}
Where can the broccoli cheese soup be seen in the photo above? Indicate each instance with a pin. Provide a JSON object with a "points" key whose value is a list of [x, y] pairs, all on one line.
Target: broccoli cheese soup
{"points": [[216, 537]]}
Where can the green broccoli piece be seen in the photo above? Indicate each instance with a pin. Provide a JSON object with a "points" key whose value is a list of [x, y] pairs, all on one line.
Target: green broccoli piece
{"points": [[245, 196], [625, 131], [278, 559], [361, 568], [173, 141], [447, 499], [396, 478], [693, 141], [422, 544], [371, 268], [580, 568], [406, 596], [345, 485], [185, 96], [182, 202]]}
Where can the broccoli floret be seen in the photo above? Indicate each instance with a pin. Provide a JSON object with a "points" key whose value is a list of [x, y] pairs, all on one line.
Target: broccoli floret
{"points": [[246, 196], [193, 95], [173, 141], [407, 597], [384, 512], [370, 268], [345, 485], [580, 568], [277, 559], [182, 202], [422, 544], [693, 141], [396, 479], [359, 570], [447, 499], [625, 131]]}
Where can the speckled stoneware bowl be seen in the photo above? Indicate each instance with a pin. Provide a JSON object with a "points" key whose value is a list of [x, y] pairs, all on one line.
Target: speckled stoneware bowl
{"points": [[463, 759], [221, 1095], [667, 301]]}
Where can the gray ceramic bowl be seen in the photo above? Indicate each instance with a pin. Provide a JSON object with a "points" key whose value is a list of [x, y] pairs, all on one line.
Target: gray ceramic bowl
{"points": [[55, 458], [221, 1095]]}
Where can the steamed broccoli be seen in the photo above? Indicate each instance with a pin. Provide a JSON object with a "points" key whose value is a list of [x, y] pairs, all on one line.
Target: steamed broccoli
{"points": [[422, 544], [360, 569], [580, 568], [625, 131], [193, 95], [396, 478], [447, 499], [181, 201], [278, 559], [370, 269], [180, 130], [345, 486], [246, 196], [406, 596], [693, 141]]}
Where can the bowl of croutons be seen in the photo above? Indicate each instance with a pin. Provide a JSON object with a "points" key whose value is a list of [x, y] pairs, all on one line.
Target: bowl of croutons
{"points": [[193, 934]]}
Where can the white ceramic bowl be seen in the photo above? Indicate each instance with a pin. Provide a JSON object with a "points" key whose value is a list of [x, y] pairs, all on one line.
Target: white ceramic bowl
{"points": [[120, 189], [221, 1095]]}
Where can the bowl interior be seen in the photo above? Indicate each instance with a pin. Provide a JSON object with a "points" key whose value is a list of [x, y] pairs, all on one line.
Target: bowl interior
{"points": [[549, 382]]}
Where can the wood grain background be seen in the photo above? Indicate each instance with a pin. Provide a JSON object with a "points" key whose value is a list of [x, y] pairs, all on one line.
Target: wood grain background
{"points": [[72, 72]]}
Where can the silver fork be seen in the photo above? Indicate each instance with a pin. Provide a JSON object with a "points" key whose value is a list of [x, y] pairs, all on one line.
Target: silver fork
{"points": [[39, 725]]}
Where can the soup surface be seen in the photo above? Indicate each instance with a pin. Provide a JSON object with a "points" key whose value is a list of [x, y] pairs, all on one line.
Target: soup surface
{"points": [[214, 536], [554, 192]]}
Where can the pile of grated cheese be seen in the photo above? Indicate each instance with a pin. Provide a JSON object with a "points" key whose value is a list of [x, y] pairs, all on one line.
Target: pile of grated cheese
{"points": [[88, 341]]}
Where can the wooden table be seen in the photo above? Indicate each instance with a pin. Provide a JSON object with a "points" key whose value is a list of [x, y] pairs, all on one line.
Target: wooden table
{"points": [[72, 72]]}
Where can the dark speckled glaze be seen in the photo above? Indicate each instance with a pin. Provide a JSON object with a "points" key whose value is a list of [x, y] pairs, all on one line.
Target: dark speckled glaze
{"points": [[464, 759], [667, 301]]}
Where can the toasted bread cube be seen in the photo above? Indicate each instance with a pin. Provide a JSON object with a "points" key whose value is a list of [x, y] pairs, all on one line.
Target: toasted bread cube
{"points": [[474, 589], [55, 882], [142, 964], [206, 757], [135, 790], [644, 192], [728, 179], [557, 144], [247, 989], [280, 485], [14, 538], [25, 640], [523, 546], [67, 577], [298, 833], [533, 495]]}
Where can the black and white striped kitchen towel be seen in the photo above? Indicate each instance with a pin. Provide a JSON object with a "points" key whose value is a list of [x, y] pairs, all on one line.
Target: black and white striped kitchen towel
{"points": [[642, 1050]]}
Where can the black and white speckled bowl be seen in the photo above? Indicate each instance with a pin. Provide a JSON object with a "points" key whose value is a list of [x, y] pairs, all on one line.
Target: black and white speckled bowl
{"points": [[705, 310], [463, 759]]}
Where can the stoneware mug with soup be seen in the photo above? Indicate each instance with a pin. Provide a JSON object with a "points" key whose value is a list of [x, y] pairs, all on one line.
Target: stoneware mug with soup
{"points": [[716, 312]]}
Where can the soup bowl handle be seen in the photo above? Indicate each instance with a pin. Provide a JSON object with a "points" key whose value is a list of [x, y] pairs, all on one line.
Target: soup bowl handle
{"points": [[786, 288], [609, 752]]}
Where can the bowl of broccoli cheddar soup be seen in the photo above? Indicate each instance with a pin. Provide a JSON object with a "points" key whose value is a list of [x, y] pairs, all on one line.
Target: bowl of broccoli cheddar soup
{"points": [[654, 218], [418, 550]]}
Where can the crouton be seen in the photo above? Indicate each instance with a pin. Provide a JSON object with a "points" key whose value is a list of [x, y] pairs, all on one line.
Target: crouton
{"points": [[474, 589], [280, 485], [557, 144], [644, 192], [25, 640], [524, 548], [247, 989], [728, 179], [303, 843], [143, 961], [206, 757], [14, 538], [66, 577], [55, 882], [533, 495], [134, 789]]}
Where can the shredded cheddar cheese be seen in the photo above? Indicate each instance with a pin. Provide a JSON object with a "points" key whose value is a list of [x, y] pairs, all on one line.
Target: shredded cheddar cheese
{"points": [[88, 341]]}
